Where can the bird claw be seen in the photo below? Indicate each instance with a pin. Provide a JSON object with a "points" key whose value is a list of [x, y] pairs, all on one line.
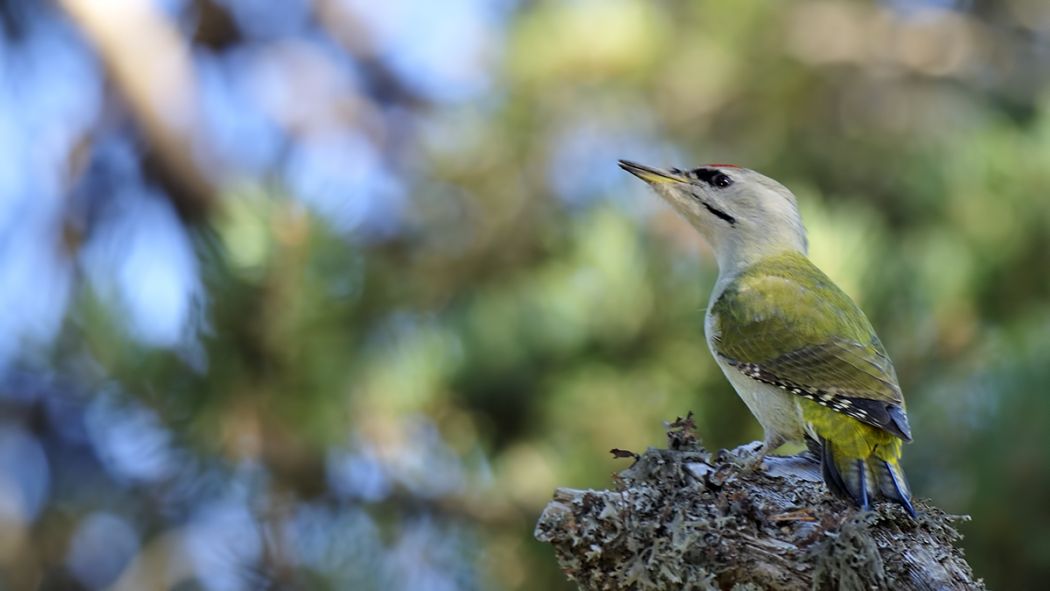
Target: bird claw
{"points": [[755, 464]]}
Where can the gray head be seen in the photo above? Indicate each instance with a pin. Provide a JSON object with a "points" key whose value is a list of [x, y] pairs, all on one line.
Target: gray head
{"points": [[744, 215]]}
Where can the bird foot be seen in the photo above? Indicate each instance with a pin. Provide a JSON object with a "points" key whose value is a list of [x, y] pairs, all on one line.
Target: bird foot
{"points": [[755, 464]]}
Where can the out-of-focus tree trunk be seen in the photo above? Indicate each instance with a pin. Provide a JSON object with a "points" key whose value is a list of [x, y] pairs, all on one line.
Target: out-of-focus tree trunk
{"points": [[685, 518], [151, 66]]}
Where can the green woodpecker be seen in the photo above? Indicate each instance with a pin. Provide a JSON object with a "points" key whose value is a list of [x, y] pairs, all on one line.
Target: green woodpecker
{"points": [[798, 351]]}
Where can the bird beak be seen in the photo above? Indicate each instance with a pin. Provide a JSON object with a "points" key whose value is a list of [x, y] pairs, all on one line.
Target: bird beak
{"points": [[650, 175]]}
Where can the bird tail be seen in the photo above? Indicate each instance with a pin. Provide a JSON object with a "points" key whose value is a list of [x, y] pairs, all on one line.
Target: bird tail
{"points": [[865, 479]]}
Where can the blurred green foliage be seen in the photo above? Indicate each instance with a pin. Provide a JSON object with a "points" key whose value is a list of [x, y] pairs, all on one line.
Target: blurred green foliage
{"points": [[537, 307]]}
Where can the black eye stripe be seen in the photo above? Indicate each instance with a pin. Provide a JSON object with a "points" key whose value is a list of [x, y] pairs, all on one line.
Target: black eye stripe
{"points": [[713, 177]]}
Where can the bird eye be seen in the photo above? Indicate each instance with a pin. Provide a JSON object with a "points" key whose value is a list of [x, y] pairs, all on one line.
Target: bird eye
{"points": [[713, 177]]}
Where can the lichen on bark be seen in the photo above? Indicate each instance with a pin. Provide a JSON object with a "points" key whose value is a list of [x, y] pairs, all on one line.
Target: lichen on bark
{"points": [[686, 518]]}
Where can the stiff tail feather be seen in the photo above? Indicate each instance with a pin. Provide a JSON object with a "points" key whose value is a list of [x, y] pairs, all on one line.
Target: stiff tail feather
{"points": [[863, 480]]}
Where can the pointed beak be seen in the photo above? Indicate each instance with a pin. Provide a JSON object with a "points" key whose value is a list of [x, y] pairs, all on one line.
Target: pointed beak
{"points": [[649, 174]]}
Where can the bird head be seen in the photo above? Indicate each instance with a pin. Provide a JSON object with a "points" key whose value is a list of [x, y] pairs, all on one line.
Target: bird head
{"points": [[742, 214]]}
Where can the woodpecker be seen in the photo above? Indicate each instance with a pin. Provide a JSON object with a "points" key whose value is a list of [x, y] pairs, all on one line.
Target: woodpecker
{"points": [[798, 351]]}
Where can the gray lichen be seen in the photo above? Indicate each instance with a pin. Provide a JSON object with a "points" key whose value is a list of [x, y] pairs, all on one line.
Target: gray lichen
{"points": [[685, 518]]}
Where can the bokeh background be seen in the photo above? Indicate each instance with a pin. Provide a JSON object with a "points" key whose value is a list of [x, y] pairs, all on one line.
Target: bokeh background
{"points": [[332, 294]]}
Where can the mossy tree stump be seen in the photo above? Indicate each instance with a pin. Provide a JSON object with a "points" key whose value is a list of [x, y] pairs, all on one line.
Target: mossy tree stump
{"points": [[686, 518]]}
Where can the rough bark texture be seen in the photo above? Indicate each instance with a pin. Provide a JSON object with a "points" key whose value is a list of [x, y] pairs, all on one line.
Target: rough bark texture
{"points": [[686, 518]]}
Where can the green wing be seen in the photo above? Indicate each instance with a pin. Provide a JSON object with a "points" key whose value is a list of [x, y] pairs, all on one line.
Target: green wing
{"points": [[784, 322]]}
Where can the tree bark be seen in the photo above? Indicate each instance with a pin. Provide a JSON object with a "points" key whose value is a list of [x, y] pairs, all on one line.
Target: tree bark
{"points": [[686, 518]]}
